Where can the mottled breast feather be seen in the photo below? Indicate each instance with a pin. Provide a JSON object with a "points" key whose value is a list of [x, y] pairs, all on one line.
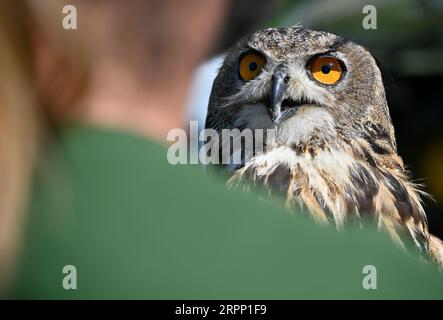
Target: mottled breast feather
{"points": [[334, 153]]}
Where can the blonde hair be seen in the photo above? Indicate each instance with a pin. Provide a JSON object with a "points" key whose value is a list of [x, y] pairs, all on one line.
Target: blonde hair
{"points": [[20, 128], [26, 111], [31, 99]]}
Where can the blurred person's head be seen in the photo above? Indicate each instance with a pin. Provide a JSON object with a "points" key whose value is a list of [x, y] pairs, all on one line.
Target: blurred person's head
{"points": [[128, 65]]}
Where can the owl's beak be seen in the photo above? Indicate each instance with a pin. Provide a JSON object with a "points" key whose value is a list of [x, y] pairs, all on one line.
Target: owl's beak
{"points": [[279, 86]]}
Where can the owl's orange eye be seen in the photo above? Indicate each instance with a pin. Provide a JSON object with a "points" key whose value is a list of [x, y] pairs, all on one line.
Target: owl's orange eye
{"points": [[326, 70], [251, 65]]}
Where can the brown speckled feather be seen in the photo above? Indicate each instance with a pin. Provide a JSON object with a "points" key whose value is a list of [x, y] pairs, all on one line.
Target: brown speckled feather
{"points": [[340, 186]]}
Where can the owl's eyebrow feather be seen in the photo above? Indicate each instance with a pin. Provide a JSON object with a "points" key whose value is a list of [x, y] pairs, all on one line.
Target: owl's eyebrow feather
{"points": [[339, 42]]}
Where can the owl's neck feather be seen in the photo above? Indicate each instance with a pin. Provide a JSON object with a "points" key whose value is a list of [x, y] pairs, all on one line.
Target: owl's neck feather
{"points": [[339, 182]]}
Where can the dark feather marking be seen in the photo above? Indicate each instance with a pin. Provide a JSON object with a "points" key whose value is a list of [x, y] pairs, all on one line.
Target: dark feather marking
{"points": [[388, 81], [380, 131], [319, 198], [338, 43], [378, 148], [312, 152], [422, 240], [375, 132], [366, 188], [250, 174], [332, 187], [299, 148], [350, 202], [369, 158]]}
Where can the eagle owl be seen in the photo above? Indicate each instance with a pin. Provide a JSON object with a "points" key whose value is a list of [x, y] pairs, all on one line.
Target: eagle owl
{"points": [[333, 153]]}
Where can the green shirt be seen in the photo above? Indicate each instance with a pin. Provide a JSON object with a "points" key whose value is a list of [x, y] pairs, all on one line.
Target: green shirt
{"points": [[135, 226]]}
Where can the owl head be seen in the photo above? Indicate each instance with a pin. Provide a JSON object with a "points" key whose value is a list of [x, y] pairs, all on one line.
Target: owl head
{"points": [[311, 86]]}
